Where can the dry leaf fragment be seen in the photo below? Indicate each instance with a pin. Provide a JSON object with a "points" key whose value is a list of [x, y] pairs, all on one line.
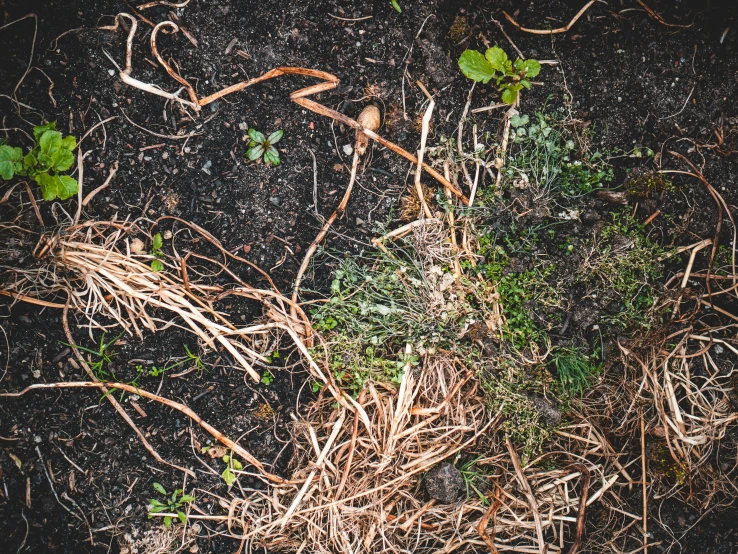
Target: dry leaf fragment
{"points": [[370, 119]]}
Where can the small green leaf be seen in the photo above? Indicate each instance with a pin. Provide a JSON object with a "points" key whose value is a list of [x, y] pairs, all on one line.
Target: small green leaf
{"points": [[275, 137], [159, 488], [532, 68], [9, 158], [475, 67], [255, 153], [61, 160], [497, 58], [154, 503], [156, 243], [30, 161], [167, 521], [157, 509], [228, 476], [69, 143], [519, 120], [256, 136], [41, 129], [525, 83], [182, 517], [50, 142], [236, 464], [271, 155], [157, 266], [56, 186], [509, 95], [187, 498], [397, 7]]}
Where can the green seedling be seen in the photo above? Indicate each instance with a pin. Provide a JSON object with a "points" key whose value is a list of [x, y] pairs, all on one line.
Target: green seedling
{"points": [[174, 503], [575, 370], [510, 77], [102, 356], [190, 357], [231, 463], [267, 377], [397, 7], [474, 480], [50, 156], [156, 243], [261, 145]]}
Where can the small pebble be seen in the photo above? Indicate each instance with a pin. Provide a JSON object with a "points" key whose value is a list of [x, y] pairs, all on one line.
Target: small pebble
{"points": [[243, 126], [348, 149], [111, 72], [164, 155], [275, 200], [206, 167]]}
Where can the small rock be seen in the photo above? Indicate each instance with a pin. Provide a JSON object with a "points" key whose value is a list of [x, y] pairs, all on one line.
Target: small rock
{"points": [[360, 221], [348, 149], [137, 246], [444, 483], [275, 200], [167, 234], [718, 349], [243, 126], [164, 155], [547, 408], [207, 166]]}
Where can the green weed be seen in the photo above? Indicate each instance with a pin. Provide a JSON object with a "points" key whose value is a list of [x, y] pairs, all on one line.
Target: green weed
{"points": [[49, 158], [261, 145], [156, 244], [575, 370], [174, 503], [620, 269], [510, 77]]}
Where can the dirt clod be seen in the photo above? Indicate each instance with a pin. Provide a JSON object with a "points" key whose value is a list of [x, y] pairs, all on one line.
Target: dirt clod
{"points": [[444, 483]]}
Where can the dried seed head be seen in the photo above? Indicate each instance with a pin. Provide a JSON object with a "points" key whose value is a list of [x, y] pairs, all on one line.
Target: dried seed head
{"points": [[410, 205], [370, 119]]}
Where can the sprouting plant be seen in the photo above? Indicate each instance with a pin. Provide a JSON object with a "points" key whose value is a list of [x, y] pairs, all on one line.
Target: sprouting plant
{"points": [[156, 243], [575, 370], [397, 7], [474, 479], [50, 155], [231, 463], [510, 77], [173, 503], [267, 377], [156, 371], [102, 356], [261, 145]]}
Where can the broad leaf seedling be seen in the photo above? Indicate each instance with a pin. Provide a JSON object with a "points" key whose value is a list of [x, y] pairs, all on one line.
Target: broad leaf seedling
{"points": [[510, 77], [261, 145], [50, 156], [173, 503]]}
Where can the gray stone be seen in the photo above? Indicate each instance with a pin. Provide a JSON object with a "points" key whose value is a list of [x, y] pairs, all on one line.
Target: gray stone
{"points": [[548, 409]]}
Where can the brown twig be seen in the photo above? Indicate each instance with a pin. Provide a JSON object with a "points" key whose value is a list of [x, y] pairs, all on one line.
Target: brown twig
{"points": [[217, 435], [552, 31], [111, 174], [542, 545], [111, 398], [581, 516], [489, 539], [645, 486], [660, 19]]}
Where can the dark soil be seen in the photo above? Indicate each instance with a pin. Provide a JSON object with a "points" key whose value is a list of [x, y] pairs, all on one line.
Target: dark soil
{"points": [[637, 81]]}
